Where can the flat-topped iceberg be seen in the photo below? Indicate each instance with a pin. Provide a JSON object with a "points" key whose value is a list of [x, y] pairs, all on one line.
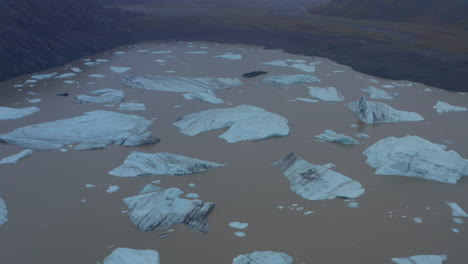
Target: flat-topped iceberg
{"points": [[263, 257], [132, 256], [245, 122], [93, 130], [315, 182], [180, 84], [443, 107], [144, 164], [457, 211], [3, 211], [376, 93], [161, 210], [290, 79], [208, 97], [8, 113], [101, 96], [421, 259], [377, 112], [17, 157], [332, 136], [132, 107], [416, 157], [329, 94]]}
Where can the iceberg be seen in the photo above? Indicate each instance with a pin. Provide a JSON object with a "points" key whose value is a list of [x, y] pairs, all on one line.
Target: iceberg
{"points": [[245, 122], [421, 259], [3, 211], [443, 107], [456, 210], [144, 164], [132, 256], [376, 93], [112, 188], [230, 56], [101, 96], [376, 112], [132, 107], [263, 257], [96, 129], [120, 69], [315, 182], [17, 157], [332, 136], [290, 79], [161, 210], [208, 97], [416, 157], [8, 113], [329, 94]]}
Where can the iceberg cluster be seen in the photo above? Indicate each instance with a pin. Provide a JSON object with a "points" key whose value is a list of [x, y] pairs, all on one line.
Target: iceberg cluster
{"points": [[8, 113], [132, 256], [332, 136], [290, 79], [443, 107], [421, 259], [263, 257], [101, 96], [329, 94]]}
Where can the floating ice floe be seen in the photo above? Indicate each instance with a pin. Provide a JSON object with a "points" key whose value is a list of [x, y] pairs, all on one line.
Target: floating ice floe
{"points": [[101, 96], [304, 67], [34, 101], [144, 164], [30, 81], [377, 112], [421, 259], [8, 113], [91, 63], [76, 70], [239, 234], [192, 195], [290, 79], [443, 107], [3, 211], [230, 56], [263, 257], [17, 157], [457, 211], [118, 53], [332, 136], [416, 157], [238, 225], [315, 182], [376, 93], [112, 189], [245, 122], [43, 76], [308, 100], [388, 86], [65, 75], [90, 185], [162, 52], [93, 130], [120, 69], [132, 107], [208, 97], [161, 210], [180, 84], [196, 52], [353, 205], [132, 256], [418, 220], [329, 94], [362, 135], [96, 76], [149, 188]]}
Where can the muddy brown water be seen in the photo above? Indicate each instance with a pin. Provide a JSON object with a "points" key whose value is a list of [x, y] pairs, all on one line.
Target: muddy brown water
{"points": [[48, 222]]}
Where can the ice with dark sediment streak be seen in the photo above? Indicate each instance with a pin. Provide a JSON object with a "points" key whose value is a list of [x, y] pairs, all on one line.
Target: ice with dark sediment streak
{"points": [[332, 136], [376, 93], [207, 97], [132, 256], [245, 122], [161, 210], [329, 94], [3, 211], [263, 257], [421, 259], [180, 84], [144, 164], [15, 158], [290, 79], [315, 182], [457, 211], [8, 113], [377, 112], [101, 96], [443, 107], [416, 157], [93, 130]]}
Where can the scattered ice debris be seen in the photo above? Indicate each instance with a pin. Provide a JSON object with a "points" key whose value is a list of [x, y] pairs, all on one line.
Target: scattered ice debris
{"points": [[362, 135], [239, 234], [132, 256], [315, 182], [290, 79], [192, 195], [76, 70], [263, 257], [132, 107], [101, 96], [112, 189], [416, 157], [17, 157], [90, 185], [120, 69], [457, 211], [96, 76], [192, 185], [144, 164], [93, 130], [253, 74], [376, 93], [149, 188], [230, 56], [162, 52], [43, 76], [308, 212], [421, 259], [238, 225], [455, 230], [376, 112], [332, 136], [245, 122], [388, 86], [8, 113], [308, 100], [208, 97], [118, 53], [329, 94], [443, 107], [457, 220], [3, 211], [417, 220], [163, 209], [196, 52], [34, 101]]}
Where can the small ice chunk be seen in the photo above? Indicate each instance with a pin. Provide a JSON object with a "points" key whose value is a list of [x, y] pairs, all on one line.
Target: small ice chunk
{"points": [[238, 225], [112, 189], [239, 234], [34, 101], [69, 82], [332, 136], [208, 97], [196, 52], [362, 135], [162, 52], [308, 212], [132, 107], [457, 211], [427, 90], [304, 67], [17, 157], [43, 76], [149, 188], [90, 185], [63, 150], [132, 256], [118, 53], [102, 60], [101, 96], [280, 63], [457, 220], [376, 93], [329, 165], [230, 56], [388, 86], [160, 60], [329, 94], [75, 69], [443, 107], [3, 211], [8, 113], [263, 257], [417, 220], [353, 205], [191, 185], [281, 207], [91, 63], [83, 200], [373, 80], [421, 259], [120, 69], [192, 195], [142, 51], [96, 76], [455, 230], [65, 75], [30, 81], [306, 100]]}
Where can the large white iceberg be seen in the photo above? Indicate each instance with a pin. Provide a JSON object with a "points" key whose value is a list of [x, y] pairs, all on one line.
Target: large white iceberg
{"points": [[315, 182], [143, 164], [377, 112], [443, 107], [245, 122], [326, 94], [8, 113], [17, 157], [332, 136], [290, 79], [263, 257], [208, 97], [161, 210], [96, 129], [3, 211], [421, 259], [132, 256], [416, 157], [376, 93], [101, 96]]}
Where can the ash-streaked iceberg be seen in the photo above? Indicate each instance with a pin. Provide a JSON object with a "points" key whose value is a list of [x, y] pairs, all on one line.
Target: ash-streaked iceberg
{"points": [[132, 256], [207, 97], [161, 210], [93, 130], [332, 136], [329, 94], [443, 107], [8, 113], [101, 96], [144, 164], [416, 157], [245, 122], [3, 211], [17, 157], [315, 182], [377, 112], [376, 93], [263, 257], [290, 79], [421, 259]]}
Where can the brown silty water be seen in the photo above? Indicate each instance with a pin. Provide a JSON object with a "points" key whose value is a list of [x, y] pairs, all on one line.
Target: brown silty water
{"points": [[48, 222]]}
